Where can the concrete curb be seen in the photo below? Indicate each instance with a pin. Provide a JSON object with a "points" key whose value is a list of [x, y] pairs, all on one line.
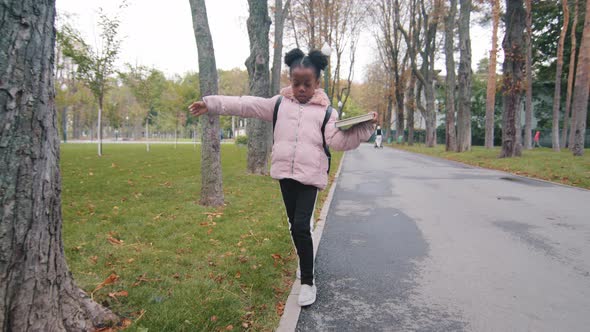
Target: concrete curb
{"points": [[288, 322]]}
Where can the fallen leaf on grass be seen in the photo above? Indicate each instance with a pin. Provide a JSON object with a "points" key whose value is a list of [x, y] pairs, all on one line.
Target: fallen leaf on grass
{"points": [[158, 216], [142, 278], [213, 318], [238, 275], [118, 294], [280, 307], [130, 183], [229, 327], [109, 280], [277, 259], [114, 241], [93, 259]]}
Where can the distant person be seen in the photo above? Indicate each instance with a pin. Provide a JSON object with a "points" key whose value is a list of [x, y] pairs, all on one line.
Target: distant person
{"points": [[378, 138], [299, 160], [536, 139]]}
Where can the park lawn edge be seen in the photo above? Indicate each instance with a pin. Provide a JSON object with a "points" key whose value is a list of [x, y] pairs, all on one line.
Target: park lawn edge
{"points": [[580, 182]]}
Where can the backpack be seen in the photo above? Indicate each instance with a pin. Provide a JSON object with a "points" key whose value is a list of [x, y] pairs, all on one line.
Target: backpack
{"points": [[326, 119]]}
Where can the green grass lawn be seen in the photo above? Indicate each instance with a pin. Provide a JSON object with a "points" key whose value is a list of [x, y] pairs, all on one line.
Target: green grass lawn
{"points": [[540, 163], [184, 267]]}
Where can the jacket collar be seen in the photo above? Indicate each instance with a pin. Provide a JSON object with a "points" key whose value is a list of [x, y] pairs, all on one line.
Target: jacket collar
{"points": [[319, 96]]}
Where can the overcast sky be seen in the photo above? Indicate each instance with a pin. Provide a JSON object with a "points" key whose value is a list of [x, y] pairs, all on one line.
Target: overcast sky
{"points": [[160, 33]]}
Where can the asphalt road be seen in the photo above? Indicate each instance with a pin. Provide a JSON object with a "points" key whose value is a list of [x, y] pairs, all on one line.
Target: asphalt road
{"points": [[414, 243]]}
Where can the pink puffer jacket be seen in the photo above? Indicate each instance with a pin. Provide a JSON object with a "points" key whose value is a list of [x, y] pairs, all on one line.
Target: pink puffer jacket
{"points": [[298, 151]]}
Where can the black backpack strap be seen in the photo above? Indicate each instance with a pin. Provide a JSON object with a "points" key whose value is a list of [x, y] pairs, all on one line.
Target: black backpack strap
{"points": [[326, 149], [276, 112]]}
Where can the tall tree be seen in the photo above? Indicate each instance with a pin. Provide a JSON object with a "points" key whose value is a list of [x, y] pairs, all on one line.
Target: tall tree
{"points": [[211, 181], [259, 131], [411, 105], [491, 86], [582, 88], [96, 65], [37, 290], [570, 81], [528, 104], [386, 14], [558, 71], [451, 140], [422, 36], [465, 77], [281, 11], [513, 72]]}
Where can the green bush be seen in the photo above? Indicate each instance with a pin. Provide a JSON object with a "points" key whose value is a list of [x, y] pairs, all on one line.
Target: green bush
{"points": [[242, 140]]}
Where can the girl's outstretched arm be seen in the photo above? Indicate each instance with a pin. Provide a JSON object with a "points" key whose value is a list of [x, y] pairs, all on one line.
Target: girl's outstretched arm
{"points": [[342, 140], [244, 106]]}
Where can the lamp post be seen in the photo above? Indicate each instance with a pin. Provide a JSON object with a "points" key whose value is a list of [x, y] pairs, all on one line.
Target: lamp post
{"points": [[327, 51]]}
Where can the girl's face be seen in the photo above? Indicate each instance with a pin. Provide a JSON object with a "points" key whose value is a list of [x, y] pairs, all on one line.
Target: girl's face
{"points": [[304, 83]]}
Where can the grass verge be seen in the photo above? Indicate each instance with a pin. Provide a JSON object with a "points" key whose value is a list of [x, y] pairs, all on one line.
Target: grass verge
{"points": [[541, 163], [179, 266]]}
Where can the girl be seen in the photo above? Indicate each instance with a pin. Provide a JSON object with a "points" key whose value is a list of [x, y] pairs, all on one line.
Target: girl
{"points": [[298, 159]]}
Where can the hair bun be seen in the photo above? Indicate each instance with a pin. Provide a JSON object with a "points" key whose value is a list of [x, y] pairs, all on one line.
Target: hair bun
{"points": [[319, 59], [293, 55]]}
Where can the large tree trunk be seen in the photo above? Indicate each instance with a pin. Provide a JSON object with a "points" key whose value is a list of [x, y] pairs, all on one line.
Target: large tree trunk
{"points": [[513, 72], [464, 91], [280, 16], [528, 104], [451, 140], [491, 87], [64, 124], [37, 291], [211, 182], [259, 131], [581, 88], [430, 116], [411, 104], [99, 128], [570, 81], [558, 71], [76, 123]]}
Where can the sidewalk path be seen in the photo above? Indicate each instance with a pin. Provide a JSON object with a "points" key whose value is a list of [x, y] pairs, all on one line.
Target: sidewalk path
{"points": [[414, 243]]}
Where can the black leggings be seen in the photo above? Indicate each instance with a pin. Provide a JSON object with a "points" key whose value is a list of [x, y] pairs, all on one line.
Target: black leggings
{"points": [[300, 202]]}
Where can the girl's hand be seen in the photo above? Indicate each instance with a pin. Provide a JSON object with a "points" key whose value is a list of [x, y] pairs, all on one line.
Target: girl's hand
{"points": [[198, 108]]}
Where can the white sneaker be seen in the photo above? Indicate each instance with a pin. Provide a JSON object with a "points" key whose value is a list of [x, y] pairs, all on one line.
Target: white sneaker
{"points": [[307, 295], [298, 274]]}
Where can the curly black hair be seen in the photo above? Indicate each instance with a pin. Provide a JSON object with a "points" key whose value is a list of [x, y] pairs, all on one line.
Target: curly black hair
{"points": [[315, 60]]}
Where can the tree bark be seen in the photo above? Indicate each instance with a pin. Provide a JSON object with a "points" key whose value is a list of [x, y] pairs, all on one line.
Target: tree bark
{"points": [[280, 16], [581, 88], [411, 104], [64, 124], [211, 181], [451, 140], [570, 81], [558, 71], [464, 84], [491, 86], [528, 105], [259, 131], [513, 72], [37, 291], [99, 128]]}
